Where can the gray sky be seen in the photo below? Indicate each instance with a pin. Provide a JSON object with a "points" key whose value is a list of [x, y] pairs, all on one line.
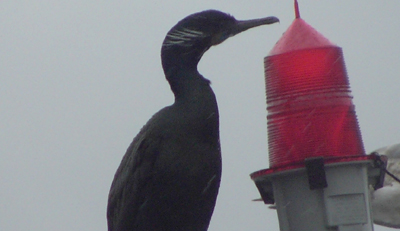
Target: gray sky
{"points": [[80, 78]]}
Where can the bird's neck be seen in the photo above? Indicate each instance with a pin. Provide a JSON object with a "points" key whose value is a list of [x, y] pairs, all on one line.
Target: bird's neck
{"points": [[182, 56], [188, 85], [196, 105], [194, 99], [180, 68]]}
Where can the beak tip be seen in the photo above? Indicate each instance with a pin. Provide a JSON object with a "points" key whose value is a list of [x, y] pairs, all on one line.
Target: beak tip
{"points": [[273, 19]]}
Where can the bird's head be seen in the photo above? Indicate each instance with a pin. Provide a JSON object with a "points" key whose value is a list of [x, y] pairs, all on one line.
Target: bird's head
{"points": [[187, 41]]}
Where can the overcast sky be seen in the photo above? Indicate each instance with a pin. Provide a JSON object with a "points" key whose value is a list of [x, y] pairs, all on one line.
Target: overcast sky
{"points": [[80, 78]]}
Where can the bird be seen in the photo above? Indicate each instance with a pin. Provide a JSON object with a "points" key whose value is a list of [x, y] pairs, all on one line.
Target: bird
{"points": [[169, 177], [385, 201]]}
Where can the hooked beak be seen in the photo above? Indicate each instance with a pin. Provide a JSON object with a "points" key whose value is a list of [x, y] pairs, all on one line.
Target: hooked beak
{"points": [[243, 25]]}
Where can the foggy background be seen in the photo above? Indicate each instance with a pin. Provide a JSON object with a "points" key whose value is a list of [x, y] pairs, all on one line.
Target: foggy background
{"points": [[78, 79]]}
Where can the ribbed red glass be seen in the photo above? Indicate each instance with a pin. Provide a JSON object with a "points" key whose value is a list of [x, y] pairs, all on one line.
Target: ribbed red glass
{"points": [[310, 109]]}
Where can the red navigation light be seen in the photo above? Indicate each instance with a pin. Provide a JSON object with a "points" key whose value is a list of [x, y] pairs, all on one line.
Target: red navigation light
{"points": [[310, 109]]}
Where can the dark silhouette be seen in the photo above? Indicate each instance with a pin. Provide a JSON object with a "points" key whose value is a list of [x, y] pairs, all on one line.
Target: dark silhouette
{"points": [[170, 175]]}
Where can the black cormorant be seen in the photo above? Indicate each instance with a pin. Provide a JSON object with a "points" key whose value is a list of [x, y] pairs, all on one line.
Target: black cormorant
{"points": [[168, 179]]}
